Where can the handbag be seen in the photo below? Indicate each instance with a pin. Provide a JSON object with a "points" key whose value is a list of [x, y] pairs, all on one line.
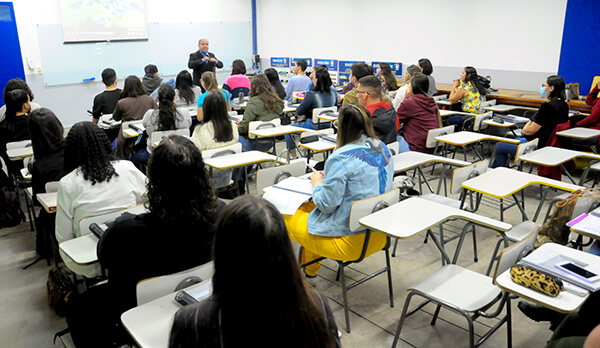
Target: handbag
{"points": [[555, 230], [536, 280], [59, 288]]}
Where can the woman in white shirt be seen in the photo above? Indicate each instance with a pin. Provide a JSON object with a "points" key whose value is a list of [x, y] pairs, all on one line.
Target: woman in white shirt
{"points": [[401, 93], [97, 183]]}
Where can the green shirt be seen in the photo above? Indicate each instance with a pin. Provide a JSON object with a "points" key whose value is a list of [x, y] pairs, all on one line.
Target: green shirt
{"points": [[257, 111]]}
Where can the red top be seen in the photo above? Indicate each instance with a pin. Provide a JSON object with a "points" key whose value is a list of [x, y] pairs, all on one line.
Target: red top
{"points": [[419, 115], [593, 120]]}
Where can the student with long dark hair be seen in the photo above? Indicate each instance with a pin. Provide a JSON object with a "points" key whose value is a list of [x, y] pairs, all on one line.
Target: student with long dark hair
{"points": [[548, 116], [291, 315], [417, 115], [14, 127], [273, 77], [427, 69], [49, 151], [186, 93], [133, 105], [238, 81], [166, 117], [264, 105], [387, 78], [11, 85], [175, 234], [360, 168], [96, 183], [469, 91]]}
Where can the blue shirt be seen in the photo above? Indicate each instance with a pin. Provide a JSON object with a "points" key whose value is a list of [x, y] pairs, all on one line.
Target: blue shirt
{"points": [[356, 171], [226, 94], [296, 84]]}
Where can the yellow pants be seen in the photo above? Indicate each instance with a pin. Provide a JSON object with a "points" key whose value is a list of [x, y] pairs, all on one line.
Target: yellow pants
{"points": [[345, 248]]}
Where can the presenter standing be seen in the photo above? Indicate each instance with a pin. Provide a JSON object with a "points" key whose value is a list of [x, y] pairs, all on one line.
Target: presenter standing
{"points": [[202, 61]]}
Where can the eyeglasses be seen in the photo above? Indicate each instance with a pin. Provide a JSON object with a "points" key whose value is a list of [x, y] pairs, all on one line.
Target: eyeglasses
{"points": [[359, 92]]}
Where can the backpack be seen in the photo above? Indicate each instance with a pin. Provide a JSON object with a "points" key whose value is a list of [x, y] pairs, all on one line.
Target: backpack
{"points": [[10, 207]]}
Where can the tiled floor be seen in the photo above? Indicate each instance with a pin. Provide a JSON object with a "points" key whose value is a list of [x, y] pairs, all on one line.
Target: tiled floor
{"points": [[27, 321]]}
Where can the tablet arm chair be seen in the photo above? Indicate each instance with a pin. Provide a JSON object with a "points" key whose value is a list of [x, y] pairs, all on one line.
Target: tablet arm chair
{"points": [[358, 210]]}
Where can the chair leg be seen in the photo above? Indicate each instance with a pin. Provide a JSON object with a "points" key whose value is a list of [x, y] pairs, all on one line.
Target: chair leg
{"points": [[508, 324], [344, 295], [395, 246], [435, 315], [494, 257], [475, 259], [402, 317], [389, 275]]}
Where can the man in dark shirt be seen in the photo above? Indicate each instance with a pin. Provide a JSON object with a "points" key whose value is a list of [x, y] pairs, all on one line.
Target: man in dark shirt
{"points": [[202, 61], [382, 113], [105, 102]]}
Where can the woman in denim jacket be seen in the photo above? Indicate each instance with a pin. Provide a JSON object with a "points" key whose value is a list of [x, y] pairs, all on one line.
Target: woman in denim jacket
{"points": [[360, 168]]}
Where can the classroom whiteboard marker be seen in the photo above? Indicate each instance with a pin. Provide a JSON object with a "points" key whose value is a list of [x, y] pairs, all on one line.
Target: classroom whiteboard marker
{"points": [[89, 79]]}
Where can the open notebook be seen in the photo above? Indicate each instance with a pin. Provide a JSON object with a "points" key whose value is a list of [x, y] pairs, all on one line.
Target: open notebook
{"points": [[289, 194]]}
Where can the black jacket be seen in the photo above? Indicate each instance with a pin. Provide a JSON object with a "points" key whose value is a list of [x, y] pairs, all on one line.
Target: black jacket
{"points": [[195, 62], [384, 124]]}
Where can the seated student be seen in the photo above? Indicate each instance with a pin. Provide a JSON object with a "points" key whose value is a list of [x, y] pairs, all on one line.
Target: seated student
{"points": [[175, 235], [548, 116], [357, 72], [106, 101], [383, 115], [297, 83], [273, 77], [411, 71], [264, 105], [427, 69], [133, 105], [96, 183], [11, 85], [360, 168], [49, 150], [166, 117], [238, 81], [216, 130], [209, 83], [469, 91], [291, 314], [186, 93], [387, 79], [14, 127], [151, 81], [417, 115]]}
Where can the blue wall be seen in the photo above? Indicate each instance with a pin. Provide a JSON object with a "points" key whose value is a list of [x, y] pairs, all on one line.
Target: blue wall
{"points": [[11, 62], [580, 50]]}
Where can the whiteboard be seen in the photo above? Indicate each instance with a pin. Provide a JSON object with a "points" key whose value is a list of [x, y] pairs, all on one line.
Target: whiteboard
{"points": [[168, 47]]}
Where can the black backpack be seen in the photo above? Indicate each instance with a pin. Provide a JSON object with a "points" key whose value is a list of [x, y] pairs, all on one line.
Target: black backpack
{"points": [[10, 207]]}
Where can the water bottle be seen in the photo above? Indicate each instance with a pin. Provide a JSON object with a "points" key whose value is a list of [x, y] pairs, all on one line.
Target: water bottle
{"points": [[241, 97]]}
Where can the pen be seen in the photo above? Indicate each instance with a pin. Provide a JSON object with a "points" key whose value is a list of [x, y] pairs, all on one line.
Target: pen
{"points": [[313, 169]]}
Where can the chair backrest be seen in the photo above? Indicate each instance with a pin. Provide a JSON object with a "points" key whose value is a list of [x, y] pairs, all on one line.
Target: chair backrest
{"points": [[440, 97], [485, 104], [270, 176], [512, 254], [276, 122], [477, 124], [18, 144], [430, 143], [84, 223], [321, 111], [460, 175], [152, 288], [222, 151], [158, 136], [52, 186], [364, 207], [394, 148], [526, 148]]}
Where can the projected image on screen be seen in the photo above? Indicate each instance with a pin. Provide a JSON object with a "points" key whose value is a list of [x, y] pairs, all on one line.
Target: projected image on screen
{"points": [[101, 20]]}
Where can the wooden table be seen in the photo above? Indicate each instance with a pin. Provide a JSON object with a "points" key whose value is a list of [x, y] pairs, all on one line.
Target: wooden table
{"points": [[550, 156], [565, 302], [415, 215], [503, 182], [517, 97]]}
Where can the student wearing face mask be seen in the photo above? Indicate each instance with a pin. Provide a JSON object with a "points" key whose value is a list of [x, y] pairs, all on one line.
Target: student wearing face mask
{"points": [[548, 116]]}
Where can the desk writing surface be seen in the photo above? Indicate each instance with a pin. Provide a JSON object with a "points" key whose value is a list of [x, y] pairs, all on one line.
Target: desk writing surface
{"points": [[48, 201], [554, 156], [506, 107], [20, 153], [407, 160], [415, 215], [465, 137], [502, 182], [579, 133], [274, 131], [506, 124], [239, 159], [517, 97], [445, 113], [319, 145], [82, 249]]}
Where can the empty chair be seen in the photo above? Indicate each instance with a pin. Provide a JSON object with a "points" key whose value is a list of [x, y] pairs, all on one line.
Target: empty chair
{"points": [[447, 288]]}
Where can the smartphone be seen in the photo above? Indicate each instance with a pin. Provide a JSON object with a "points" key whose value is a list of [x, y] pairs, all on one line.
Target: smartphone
{"points": [[578, 271]]}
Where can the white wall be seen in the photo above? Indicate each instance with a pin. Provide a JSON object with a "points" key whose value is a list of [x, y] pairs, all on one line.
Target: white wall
{"points": [[507, 35], [70, 102]]}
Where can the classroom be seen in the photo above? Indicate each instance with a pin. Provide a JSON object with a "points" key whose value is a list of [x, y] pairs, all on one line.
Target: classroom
{"points": [[517, 44]]}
